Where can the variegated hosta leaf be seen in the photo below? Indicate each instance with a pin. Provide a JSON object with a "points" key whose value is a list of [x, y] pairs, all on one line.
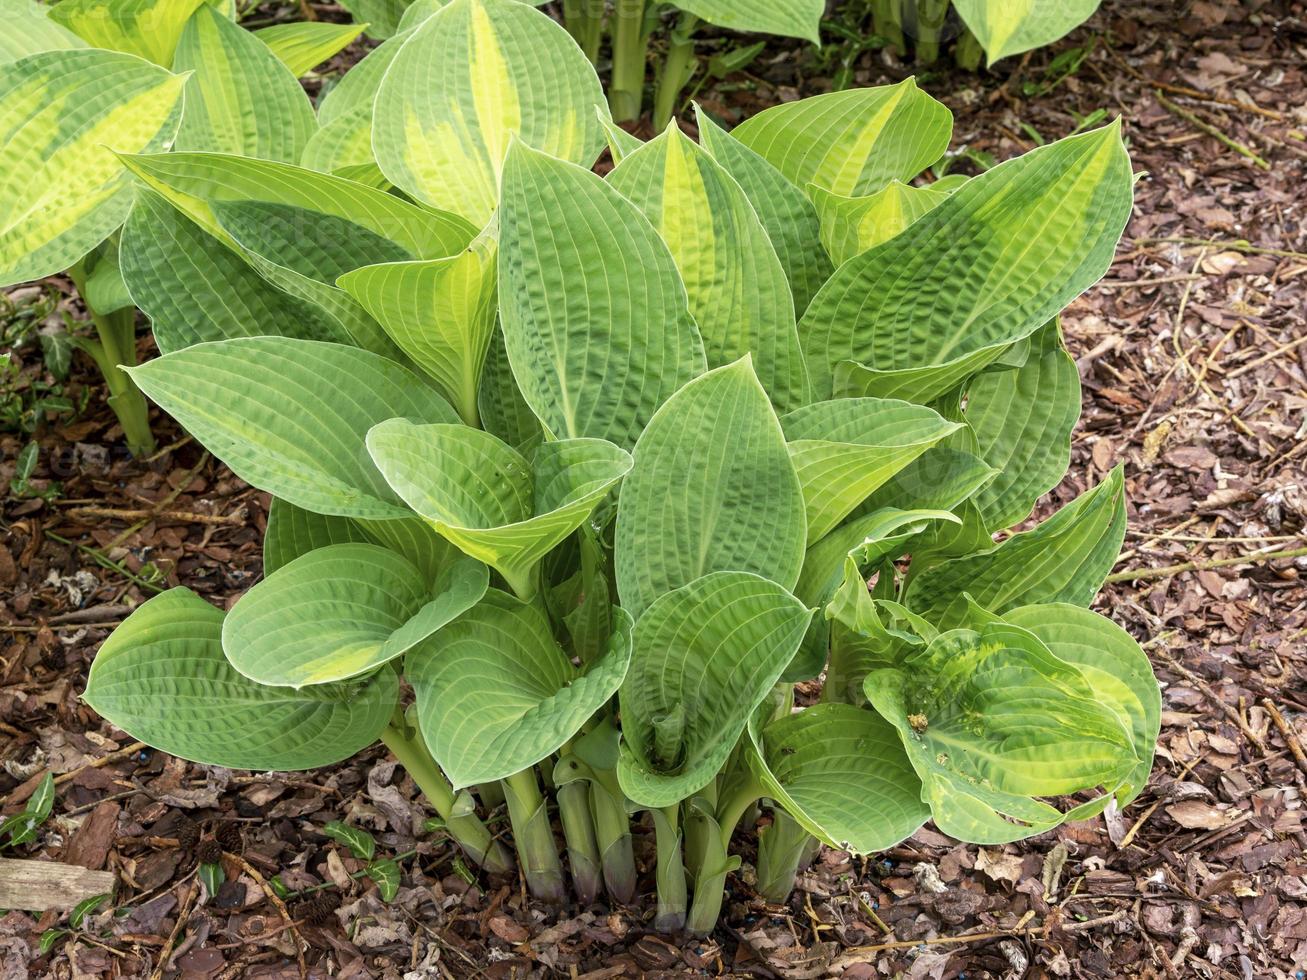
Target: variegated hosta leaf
{"points": [[62, 114], [290, 416], [196, 289], [503, 410], [851, 225], [381, 16], [440, 312], [705, 656], [844, 450], [472, 76], [1023, 420], [939, 479], [146, 28], [593, 355], [193, 182], [784, 210], [841, 772], [496, 693], [30, 30], [342, 611], [487, 498], [293, 531], [241, 100], [1005, 252], [738, 292], [1005, 27], [713, 489], [620, 143], [787, 18], [417, 12], [1064, 559], [343, 147], [991, 721], [869, 539], [1116, 668], [304, 45], [162, 678], [852, 142]]}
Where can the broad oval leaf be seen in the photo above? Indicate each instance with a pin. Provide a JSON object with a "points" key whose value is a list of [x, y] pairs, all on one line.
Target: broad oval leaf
{"points": [[594, 356], [62, 190], [992, 721], [148, 29], [851, 225], [984, 269], [30, 30], [738, 292], [496, 693], [846, 449], [1063, 559], [304, 45], [704, 657], [1117, 670], [712, 489], [290, 416], [341, 611], [162, 678], [787, 18], [470, 77], [852, 142], [241, 98], [1006, 27], [487, 498], [841, 772], [293, 531]]}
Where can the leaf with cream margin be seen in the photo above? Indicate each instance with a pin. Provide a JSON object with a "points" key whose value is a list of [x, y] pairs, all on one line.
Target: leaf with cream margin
{"points": [[851, 225], [304, 45], [148, 29], [1007, 27], [162, 678], [341, 611], [30, 30], [786, 18]]}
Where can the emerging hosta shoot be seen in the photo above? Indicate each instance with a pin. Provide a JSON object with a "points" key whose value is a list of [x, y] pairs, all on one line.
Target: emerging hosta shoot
{"points": [[575, 477]]}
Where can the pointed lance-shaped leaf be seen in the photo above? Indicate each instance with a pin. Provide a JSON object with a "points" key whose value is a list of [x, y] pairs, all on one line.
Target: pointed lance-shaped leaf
{"points": [[304, 45], [1006, 27], [29, 29], [594, 356], [787, 18], [293, 531], [713, 489], [62, 115], [148, 29], [162, 678], [851, 225]]}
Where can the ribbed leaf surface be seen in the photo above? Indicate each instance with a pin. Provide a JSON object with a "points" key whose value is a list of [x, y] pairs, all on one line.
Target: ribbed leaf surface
{"points": [[788, 18], [1006, 27], [304, 45], [148, 29], [162, 678], [713, 489], [293, 531], [705, 656], [30, 30], [851, 225]]}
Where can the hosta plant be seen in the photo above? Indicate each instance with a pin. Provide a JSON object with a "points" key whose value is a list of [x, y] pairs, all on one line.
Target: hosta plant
{"points": [[87, 78], [574, 478]]}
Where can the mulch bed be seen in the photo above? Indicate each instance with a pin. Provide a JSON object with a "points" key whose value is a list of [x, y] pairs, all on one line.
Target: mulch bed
{"points": [[1193, 355]]}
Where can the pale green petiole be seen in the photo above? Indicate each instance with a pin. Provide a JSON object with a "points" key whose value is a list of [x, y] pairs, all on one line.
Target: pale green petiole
{"points": [[672, 894], [582, 849], [783, 848], [537, 851]]}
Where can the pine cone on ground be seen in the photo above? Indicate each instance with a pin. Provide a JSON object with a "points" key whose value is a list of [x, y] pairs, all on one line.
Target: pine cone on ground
{"points": [[188, 834], [209, 851], [317, 909], [228, 834]]}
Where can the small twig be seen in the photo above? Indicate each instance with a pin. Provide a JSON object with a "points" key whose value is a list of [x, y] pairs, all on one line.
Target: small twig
{"points": [[296, 939], [1210, 130], [166, 952], [1193, 93], [1270, 355], [163, 504], [104, 561], [59, 780], [1234, 245], [974, 937], [1290, 736], [1139, 574], [1145, 283], [1211, 695], [186, 516]]}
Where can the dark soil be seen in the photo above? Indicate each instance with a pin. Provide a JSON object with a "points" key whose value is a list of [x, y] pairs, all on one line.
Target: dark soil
{"points": [[1193, 354]]}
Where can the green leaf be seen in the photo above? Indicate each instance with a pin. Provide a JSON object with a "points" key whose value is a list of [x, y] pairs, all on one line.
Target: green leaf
{"points": [[844, 450], [496, 693], [787, 18], [386, 875], [360, 843], [488, 499], [162, 678], [304, 45], [212, 876], [49, 938], [991, 721], [851, 225], [737, 288], [705, 656], [1007, 27], [984, 269], [785, 212], [293, 531], [342, 611], [1117, 670], [841, 772], [62, 190], [712, 489], [381, 16], [241, 100], [30, 30], [41, 802], [852, 142], [290, 416], [1023, 420], [343, 147], [1063, 559], [939, 479], [357, 88], [440, 312], [195, 289], [593, 355], [472, 76], [503, 410], [85, 907], [148, 29]]}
